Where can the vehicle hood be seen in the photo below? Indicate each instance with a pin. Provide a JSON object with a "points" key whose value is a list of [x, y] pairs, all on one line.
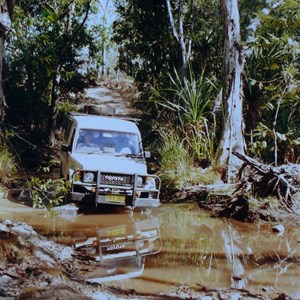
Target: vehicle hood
{"points": [[109, 163]]}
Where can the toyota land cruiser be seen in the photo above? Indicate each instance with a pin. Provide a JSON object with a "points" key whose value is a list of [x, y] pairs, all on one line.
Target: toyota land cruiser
{"points": [[104, 161]]}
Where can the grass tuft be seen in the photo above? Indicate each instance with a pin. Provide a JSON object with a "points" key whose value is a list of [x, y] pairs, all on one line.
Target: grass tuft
{"points": [[8, 166]]}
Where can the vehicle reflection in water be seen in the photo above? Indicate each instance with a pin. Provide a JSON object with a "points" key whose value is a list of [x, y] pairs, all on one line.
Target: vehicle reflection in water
{"points": [[113, 242], [118, 252]]}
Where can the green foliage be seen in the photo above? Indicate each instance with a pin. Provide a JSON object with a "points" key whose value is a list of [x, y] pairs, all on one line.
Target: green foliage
{"points": [[63, 110], [200, 141], [175, 162], [145, 43], [264, 203], [191, 100], [149, 50], [188, 106], [46, 39], [177, 165], [263, 140], [272, 74], [48, 193], [247, 11], [263, 144], [8, 165]]}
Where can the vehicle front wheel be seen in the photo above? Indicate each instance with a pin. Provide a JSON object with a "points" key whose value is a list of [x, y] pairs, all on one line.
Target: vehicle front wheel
{"points": [[61, 175], [67, 198]]}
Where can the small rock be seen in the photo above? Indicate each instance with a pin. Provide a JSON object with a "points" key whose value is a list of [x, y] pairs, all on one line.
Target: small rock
{"points": [[206, 298], [278, 228], [296, 296], [236, 296], [5, 279], [25, 196]]}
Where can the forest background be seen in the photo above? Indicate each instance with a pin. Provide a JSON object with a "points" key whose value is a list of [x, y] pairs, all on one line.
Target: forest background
{"points": [[174, 51]]}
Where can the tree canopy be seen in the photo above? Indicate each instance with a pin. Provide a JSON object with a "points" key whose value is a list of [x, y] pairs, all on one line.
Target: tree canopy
{"points": [[270, 42], [54, 51], [47, 39]]}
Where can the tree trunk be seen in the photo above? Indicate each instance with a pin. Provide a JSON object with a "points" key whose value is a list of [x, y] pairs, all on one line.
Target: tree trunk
{"points": [[54, 102], [2, 97], [6, 7], [55, 76], [185, 44], [104, 7], [232, 138]]}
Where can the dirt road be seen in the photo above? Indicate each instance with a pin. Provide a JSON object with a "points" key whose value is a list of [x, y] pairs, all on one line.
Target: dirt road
{"points": [[110, 99]]}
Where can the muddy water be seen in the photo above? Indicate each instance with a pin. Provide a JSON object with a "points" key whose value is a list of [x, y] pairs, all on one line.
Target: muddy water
{"points": [[152, 251]]}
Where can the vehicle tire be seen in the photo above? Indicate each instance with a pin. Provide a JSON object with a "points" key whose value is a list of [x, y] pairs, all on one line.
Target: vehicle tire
{"points": [[61, 173], [67, 199]]}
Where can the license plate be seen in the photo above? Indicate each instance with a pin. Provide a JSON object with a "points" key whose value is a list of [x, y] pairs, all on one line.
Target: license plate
{"points": [[119, 231], [115, 198], [119, 248]]}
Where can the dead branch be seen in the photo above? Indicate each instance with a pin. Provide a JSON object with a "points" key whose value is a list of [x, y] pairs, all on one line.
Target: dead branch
{"points": [[266, 180]]}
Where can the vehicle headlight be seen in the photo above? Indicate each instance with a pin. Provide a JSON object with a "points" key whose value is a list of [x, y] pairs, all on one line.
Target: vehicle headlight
{"points": [[150, 183], [139, 182], [88, 177]]}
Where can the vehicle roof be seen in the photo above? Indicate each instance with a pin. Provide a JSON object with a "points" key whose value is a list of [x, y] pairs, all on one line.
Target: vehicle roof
{"points": [[105, 123]]}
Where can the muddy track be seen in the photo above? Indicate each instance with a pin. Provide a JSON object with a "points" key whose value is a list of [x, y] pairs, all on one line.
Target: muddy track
{"points": [[109, 99]]}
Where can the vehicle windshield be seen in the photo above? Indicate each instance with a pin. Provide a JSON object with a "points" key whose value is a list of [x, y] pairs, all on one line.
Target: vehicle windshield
{"points": [[99, 141]]}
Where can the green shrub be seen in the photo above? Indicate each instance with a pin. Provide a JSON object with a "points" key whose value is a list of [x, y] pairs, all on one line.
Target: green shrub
{"points": [[200, 141], [8, 165], [191, 99], [175, 161], [188, 106], [63, 110], [264, 203], [47, 193]]}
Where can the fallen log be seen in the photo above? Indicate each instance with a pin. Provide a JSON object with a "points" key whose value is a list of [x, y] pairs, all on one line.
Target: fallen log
{"points": [[266, 180]]}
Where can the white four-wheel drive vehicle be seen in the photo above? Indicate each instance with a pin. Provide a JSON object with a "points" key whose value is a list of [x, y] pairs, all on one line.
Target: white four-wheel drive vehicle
{"points": [[104, 160]]}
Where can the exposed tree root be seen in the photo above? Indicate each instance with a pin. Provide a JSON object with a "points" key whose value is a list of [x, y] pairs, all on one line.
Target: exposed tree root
{"points": [[266, 180]]}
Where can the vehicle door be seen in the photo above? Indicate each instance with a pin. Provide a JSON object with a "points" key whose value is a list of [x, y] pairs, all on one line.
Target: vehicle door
{"points": [[68, 140]]}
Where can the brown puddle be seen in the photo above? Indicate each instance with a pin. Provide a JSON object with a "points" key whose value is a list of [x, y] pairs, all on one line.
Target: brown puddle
{"points": [[155, 250]]}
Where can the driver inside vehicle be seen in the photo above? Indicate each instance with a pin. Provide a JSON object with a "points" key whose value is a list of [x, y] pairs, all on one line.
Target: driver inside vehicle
{"points": [[86, 141], [123, 145]]}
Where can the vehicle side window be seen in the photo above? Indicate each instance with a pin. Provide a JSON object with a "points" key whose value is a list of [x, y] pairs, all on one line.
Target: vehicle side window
{"points": [[68, 128], [72, 139], [69, 133]]}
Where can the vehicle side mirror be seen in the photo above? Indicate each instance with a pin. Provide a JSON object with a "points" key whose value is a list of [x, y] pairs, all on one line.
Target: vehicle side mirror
{"points": [[65, 148], [147, 154]]}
